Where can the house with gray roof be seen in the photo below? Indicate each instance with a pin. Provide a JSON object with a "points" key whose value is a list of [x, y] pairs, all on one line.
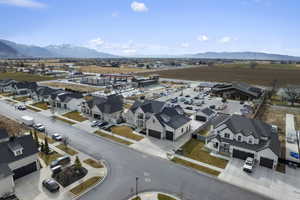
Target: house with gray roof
{"points": [[241, 91], [43, 93], [170, 123], [158, 119], [205, 114], [61, 99], [242, 137], [23, 88], [106, 108], [6, 85], [19, 157]]}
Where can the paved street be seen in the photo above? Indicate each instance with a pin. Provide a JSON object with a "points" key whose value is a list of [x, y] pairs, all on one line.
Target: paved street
{"points": [[126, 164]]}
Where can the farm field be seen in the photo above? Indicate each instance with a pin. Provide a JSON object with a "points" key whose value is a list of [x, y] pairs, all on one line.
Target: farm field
{"points": [[19, 76], [258, 76]]}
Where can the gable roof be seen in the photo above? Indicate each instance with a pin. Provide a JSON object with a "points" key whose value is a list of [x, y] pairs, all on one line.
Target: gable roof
{"points": [[243, 87], [110, 104], [206, 111], [148, 106], [6, 82], [26, 85], [28, 144], [65, 96], [172, 116], [45, 91]]}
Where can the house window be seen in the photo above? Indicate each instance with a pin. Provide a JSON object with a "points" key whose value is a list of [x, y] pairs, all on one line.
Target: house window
{"points": [[239, 138], [227, 135]]}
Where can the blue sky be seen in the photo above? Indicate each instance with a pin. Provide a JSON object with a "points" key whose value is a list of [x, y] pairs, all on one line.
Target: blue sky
{"points": [[155, 27]]}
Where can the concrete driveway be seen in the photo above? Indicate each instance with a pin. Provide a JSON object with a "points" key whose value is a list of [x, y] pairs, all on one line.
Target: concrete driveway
{"points": [[268, 182]]}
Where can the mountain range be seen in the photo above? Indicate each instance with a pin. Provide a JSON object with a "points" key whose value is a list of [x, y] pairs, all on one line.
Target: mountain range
{"points": [[10, 49]]}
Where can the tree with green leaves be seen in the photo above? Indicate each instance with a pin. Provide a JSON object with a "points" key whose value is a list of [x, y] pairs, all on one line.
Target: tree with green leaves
{"points": [[78, 164]]}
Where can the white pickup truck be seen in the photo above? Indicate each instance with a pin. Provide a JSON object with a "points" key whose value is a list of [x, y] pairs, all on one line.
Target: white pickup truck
{"points": [[27, 120]]}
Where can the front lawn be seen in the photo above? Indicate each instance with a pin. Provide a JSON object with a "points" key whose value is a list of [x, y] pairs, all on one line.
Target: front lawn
{"points": [[85, 185], [42, 136], [164, 197], [127, 132], [75, 115], [50, 157], [67, 149], [64, 120], [22, 99], [195, 166], [93, 163], [194, 149], [41, 105], [111, 137]]}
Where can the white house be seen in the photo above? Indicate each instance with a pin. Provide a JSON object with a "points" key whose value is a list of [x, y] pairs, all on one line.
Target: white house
{"points": [[243, 137], [106, 108], [158, 120], [66, 100], [18, 158], [24, 88]]}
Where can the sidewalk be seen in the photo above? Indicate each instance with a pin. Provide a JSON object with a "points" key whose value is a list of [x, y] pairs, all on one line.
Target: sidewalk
{"points": [[153, 196]]}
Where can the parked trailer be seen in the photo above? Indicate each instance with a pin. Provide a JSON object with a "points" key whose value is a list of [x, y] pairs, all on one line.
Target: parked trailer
{"points": [[27, 120]]}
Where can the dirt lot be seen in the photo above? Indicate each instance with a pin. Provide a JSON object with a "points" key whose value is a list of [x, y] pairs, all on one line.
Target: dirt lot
{"points": [[96, 69], [259, 76], [79, 88], [13, 127], [24, 77]]}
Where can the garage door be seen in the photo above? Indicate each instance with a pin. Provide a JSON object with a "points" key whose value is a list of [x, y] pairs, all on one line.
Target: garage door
{"points": [[169, 135], [154, 133], [200, 118], [266, 162], [23, 171], [241, 154]]}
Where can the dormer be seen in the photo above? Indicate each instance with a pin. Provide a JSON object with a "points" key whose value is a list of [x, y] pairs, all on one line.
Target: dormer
{"points": [[15, 147]]}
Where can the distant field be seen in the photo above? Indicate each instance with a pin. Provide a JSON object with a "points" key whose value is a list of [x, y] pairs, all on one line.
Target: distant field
{"points": [[79, 88], [261, 66], [96, 69], [24, 77], [258, 76]]}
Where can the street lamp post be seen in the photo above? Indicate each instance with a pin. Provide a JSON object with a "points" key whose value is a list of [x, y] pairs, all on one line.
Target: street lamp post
{"points": [[136, 185]]}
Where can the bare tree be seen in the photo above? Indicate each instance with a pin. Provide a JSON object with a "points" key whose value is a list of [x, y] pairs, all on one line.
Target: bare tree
{"points": [[292, 93]]}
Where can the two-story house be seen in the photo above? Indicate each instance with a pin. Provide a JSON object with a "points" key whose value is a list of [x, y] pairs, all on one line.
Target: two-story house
{"points": [[18, 158], [24, 88], [43, 93], [242, 137], [6, 85], [106, 108], [66, 100], [170, 123]]}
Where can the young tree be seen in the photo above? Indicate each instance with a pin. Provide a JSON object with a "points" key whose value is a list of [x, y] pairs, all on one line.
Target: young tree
{"points": [[46, 146], [78, 164], [293, 94], [36, 138], [42, 147]]}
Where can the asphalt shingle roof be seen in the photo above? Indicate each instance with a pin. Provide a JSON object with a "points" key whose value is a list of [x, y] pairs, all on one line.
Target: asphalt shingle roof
{"points": [[148, 106], [109, 104]]}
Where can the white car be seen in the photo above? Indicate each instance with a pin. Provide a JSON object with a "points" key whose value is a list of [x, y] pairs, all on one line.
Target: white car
{"points": [[57, 137], [39, 127], [249, 164]]}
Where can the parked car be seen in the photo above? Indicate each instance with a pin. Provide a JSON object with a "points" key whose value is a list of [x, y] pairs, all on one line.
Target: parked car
{"points": [[189, 108], [187, 96], [21, 107], [196, 97], [249, 164], [51, 185], [102, 124], [57, 137], [182, 99], [212, 106], [56, 170], [174, 100], [64, 160], [39, 127], [95, 123]]}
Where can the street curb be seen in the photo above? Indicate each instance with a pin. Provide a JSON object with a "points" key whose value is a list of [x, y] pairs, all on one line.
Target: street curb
{"points": [[96, 184], [158, 192]]}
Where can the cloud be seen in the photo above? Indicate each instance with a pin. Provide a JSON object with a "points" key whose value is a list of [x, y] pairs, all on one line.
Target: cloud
{"points": [[138, 7], [225, 39], [202, 38], [95, 43], [23, 3], [185, 45]]}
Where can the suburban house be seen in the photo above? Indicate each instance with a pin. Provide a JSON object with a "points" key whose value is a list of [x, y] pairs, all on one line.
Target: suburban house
{"points": [[24, 87], [43, 93], [205, 114], [66, 100], [141, 111], [106, 108], [170, 123], [157, 119], [242, 137], [6, 85], [19, 157], [241, 91]]}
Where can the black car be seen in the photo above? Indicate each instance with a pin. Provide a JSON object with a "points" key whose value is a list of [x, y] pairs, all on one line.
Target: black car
{"points": [[21, 107], [102, 124], [51, 185], [212, 106], [64, 160], [187, 96], [189, 108]]}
